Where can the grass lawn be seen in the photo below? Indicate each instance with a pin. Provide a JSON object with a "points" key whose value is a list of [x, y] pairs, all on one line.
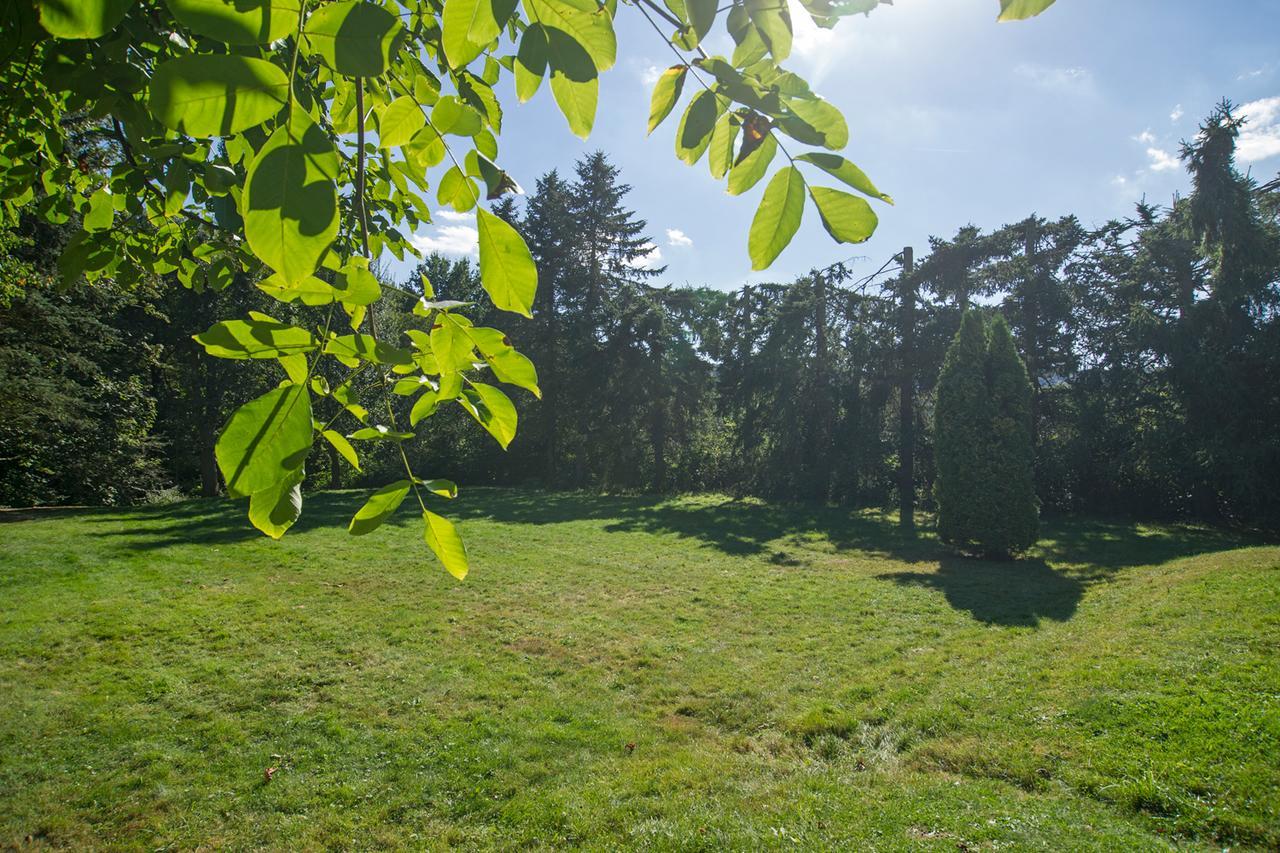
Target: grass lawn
{"points": [[630, 672]]}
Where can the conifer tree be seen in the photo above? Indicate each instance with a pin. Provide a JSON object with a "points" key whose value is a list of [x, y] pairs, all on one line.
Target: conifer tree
{"points": [[1013, 525], [962, 420]]}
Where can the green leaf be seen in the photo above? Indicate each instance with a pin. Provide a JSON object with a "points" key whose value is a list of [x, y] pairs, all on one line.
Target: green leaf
{"points": [[694, 133], [451, 345], [216, 95], [344, 448], [747, 172], [255, 339], [839, 167], [702, 16], [720, 149], [450, 115], [847, 217], [274, 509], [583, 22], [354, 38], [1018, 10], [351, 349], [238, 21], [443, 540], [355, 285], [265, 440], [380, 433], [456, 190], [399, 121], [470, 25], [531, 62], [446, 489], [666, 92], [507, 364], [777, 218], [378, 508], [308, 291], [100, 213], [290, 202], [424, 407], [81, 19], [577, 100], [824, 118], [507, 271], [773, 21], [493, 409]]}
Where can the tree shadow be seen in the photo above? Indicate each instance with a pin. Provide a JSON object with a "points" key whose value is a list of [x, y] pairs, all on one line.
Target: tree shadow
{"points": [[1010, 593], [737, 527], [1102, 547], [212, 521]]}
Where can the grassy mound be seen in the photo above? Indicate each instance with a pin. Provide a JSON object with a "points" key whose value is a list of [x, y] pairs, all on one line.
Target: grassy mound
{"points": [[693, 673]]}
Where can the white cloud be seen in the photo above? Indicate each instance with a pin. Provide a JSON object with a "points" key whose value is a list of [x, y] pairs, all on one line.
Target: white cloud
{"points": [[1146, 138], [676, 237], [1072, 80], [1119, 181], [650, 74], [448, 240], [454, 216], [1161, 160], [1255, 73], [1177, 113], [1260, 136], [651, 259]]}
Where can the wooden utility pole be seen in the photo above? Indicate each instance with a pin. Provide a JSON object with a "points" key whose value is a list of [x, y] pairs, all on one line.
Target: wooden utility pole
{"points": [[906, 398]]}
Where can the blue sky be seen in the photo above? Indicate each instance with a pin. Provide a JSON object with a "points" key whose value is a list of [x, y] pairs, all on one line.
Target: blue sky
{"points": [[958, 118]]}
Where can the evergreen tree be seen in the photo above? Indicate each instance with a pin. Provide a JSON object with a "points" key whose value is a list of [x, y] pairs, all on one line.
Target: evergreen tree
{"points": [[1013, 523], [962, 426]]}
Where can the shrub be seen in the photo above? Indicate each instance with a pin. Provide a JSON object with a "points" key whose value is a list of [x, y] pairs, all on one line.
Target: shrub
{"points": [[986, 481]]}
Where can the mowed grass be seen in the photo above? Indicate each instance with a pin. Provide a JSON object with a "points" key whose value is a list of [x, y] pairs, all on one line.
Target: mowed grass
{"points": [[695, 673]]}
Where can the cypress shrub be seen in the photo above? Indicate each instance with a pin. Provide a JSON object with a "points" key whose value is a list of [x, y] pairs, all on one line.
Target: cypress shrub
{"points": [[962, 424], [1014, 522], [982, 430]]}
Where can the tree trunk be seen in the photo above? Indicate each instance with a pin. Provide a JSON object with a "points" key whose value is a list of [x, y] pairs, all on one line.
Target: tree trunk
{"points": [[210, 486]]}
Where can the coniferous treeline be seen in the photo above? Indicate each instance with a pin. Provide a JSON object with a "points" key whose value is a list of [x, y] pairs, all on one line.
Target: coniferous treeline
{"points": [[1152, 344]]}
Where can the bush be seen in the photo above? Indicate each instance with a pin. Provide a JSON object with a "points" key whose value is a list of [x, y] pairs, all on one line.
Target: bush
{"points": [[986, 479]]}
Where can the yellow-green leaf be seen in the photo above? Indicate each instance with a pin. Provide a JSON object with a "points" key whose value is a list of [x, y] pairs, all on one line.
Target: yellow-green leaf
{"points": [[274, 509], [666, 92], [239, 21], [582, 21], [839, 167], [378, 508], [399, 121], [290, 203], [778, 217], [255, 339], [699, 119], [81, 19], [507, 271], [265, 440], [354, 38], [344, 448], [443, 540], [216, 95], [747, 172], [847, 217], [1017, 10]]}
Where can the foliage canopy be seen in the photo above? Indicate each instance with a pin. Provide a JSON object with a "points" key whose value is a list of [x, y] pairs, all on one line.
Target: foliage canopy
{"points": [[289, 141]]}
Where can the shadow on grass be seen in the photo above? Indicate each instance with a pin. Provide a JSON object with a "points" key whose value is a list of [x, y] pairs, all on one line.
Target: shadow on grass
{"points": [[1048, 584], [1010, 593]]}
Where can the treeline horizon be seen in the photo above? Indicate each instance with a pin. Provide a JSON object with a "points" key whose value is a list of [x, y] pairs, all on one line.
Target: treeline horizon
{"points": [[1152, 342]]}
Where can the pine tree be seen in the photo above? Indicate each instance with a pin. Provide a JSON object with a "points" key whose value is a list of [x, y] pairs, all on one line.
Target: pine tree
{"points": [[962, 421], [1014, 518]]}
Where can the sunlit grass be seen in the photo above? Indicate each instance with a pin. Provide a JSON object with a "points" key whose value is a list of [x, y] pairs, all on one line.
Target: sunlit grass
{"points": [[617, 672]]}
